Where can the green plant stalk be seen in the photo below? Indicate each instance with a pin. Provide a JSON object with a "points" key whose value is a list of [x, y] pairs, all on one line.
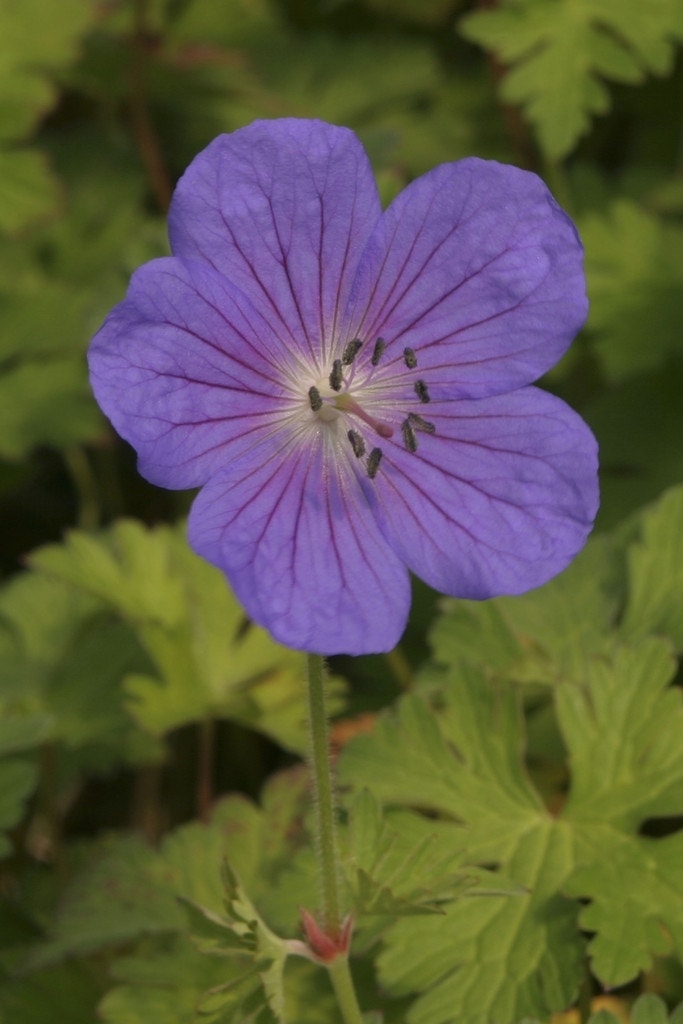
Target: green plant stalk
{"points": [[323, 791], [326, 836], [342, 983]]}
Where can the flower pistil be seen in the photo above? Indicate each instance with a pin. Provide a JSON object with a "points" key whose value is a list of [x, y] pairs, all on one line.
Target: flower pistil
{"points": [[331, 396]]}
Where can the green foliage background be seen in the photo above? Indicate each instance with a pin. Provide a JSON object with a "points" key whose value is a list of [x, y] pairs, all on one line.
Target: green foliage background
{"points": [[512, 775]]}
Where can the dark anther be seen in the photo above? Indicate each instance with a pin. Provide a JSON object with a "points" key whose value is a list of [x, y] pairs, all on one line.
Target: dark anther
{"points": [[409, 439], [351, 350], [336, 377], [357, 443], [315, 399], [374, 459], [410, 358], [421, 391], [417, 423], [377, 351]]}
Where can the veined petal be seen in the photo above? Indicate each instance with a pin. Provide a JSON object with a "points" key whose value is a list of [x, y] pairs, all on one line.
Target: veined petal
{"points": [[185, 368], [498, 500], [301, 550], [284, 210], [479, 271]]}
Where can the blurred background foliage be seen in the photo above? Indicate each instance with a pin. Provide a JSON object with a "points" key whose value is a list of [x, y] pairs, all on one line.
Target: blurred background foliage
{"points": [[132, 690]]}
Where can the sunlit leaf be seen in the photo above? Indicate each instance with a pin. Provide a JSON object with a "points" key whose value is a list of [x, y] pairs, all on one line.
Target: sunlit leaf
{"points": [[561, 53], [656, 572], [636, 909], [210, 661]]}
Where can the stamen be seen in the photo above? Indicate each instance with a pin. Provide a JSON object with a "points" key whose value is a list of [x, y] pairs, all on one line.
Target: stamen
{"points": [[409, 439], [315, 399], [422, 392], [374, 459], [419, 424], [336, 377], [410, 358], [351, 350], [357, 443], [377, 351]]}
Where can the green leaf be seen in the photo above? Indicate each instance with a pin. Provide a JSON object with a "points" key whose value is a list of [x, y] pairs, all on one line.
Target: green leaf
{"points": [[515, 954], [242, 22], [401, 864], [635, 885], [561, 52], [28, 190], [623, 726], [456, 750], [465, 764], [655, 563], [226, 964], [40, 404], [23, 733], [209, 660], [649, 1009], [544, 636], [241, 927], [18, 780], [634, 268], [636, 423], [118, 894], [60, 669], [165, 985], [68, 994]]}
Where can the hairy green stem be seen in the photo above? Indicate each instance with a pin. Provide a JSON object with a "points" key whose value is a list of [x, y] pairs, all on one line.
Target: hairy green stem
{"points": [[323, 788], [342, 983], [326, 837]]}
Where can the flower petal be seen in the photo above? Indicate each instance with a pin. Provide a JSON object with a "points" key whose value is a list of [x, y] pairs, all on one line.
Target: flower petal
{"points": [[480, 272], [498, 500], [186, 370], [302, 553], [283, 209]]}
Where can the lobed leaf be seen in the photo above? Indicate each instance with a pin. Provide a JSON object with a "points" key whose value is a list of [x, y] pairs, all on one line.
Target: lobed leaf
{"points": [[560, 53], [634, 267], [655, 564], [208, 660], [622, 725], [636, 910]]}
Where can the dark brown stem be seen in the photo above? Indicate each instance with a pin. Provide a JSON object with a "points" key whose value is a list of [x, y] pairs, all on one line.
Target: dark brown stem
{"points": [[143, 127], [515, 126], [207, 750]]}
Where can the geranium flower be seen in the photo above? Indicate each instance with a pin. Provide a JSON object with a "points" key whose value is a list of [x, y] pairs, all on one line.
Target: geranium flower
{"points": [[350, 389]]}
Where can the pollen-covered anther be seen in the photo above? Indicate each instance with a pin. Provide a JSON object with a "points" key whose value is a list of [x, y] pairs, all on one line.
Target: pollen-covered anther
{"points": [[409, 439], [315, 399], [351, 350], [377, 351], [422, 391], [357, 443], [409, 358], [336, 376], [374, 459], [418, 423]]}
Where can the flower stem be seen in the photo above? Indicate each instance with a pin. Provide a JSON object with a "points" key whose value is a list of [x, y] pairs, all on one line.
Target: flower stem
{"points": [[326, 826], [326, 837], [342, 983]]}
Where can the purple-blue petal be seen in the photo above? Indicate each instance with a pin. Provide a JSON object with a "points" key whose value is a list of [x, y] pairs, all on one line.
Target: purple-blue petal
{"points": [[302, 553], [283, 209], [187, 371], [498, 500], [478, 270]]}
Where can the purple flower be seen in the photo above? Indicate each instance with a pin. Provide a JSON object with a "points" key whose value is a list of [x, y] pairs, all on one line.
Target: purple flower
{"points": [[350, 389]]}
